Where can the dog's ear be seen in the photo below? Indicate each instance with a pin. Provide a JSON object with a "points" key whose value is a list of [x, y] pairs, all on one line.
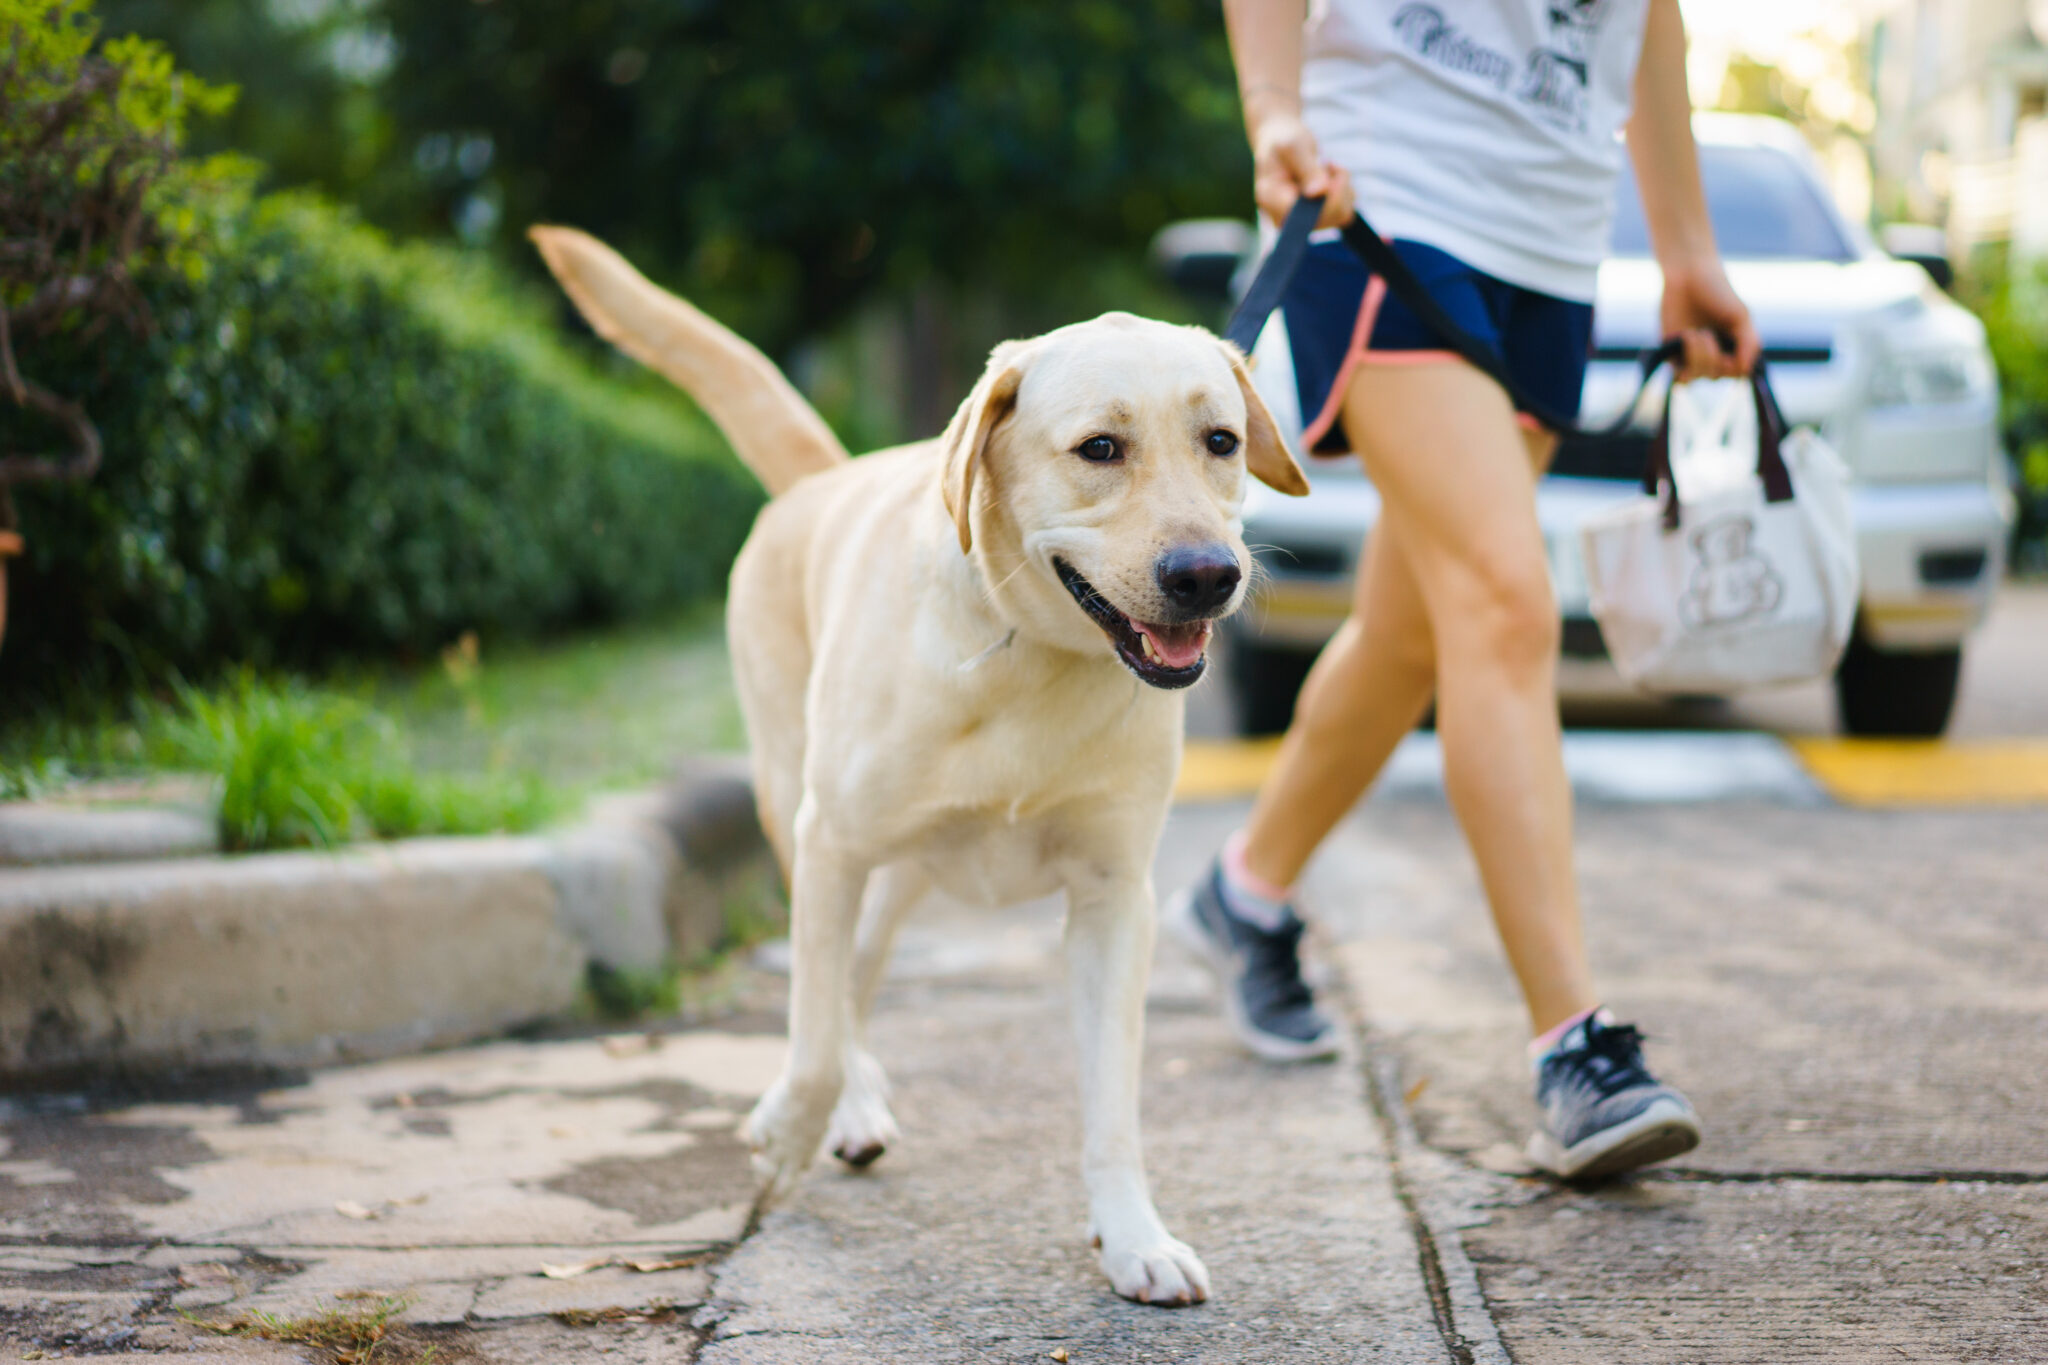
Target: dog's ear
{"points": [[967, 435], [1265, 454]]}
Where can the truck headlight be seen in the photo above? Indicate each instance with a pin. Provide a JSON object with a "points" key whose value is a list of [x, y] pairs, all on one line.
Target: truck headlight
{"points": [[1931, 374]]}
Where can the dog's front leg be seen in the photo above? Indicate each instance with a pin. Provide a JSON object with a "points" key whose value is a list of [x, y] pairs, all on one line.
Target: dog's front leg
{"points": [[789, 1123], [1109, 956], [862, 1126]]}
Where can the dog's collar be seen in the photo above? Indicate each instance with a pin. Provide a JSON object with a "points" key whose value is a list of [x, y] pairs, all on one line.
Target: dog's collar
{"points": [[969, 665]]}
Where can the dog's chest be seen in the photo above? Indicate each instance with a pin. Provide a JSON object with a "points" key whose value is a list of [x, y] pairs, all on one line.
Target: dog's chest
{"points": [[1051, 738], [992, 862], [995, 789]]}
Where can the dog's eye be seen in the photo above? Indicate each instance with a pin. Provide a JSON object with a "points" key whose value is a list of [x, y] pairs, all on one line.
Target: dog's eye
{"points": [[1222, 443], [1099, 450]]}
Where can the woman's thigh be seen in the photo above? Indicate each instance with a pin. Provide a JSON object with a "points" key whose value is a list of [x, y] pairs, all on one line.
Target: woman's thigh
{"points": [[1457, 481]]}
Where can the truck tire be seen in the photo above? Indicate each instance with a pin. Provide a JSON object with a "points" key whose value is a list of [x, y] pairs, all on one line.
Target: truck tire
{"points": [[1263, 685], [1893, 692]]}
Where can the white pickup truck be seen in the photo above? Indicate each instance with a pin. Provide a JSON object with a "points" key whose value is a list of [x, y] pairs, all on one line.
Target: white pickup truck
{"points": [[1863, 346]]}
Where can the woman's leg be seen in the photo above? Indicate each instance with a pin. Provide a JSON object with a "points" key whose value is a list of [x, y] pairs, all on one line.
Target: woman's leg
{"points": [[1456, 577], [1368, 689]]}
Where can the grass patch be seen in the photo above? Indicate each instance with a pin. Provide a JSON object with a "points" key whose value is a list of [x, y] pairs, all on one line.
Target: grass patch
{"points": [[299, 766], [36, 777], [614, 708], [477, 741], [623, 994], [356, 1333]]}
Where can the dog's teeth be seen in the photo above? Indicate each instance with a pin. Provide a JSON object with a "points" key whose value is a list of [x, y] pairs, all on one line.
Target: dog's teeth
{"points": [[1150, 652]]}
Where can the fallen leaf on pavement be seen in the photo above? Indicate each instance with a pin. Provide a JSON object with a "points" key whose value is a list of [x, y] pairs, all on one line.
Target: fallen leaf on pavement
{"points": [[631, 1044], [660, 1310], [349, 1208], [1058, 1353], [649, 1267], [571, 1269], [1414, 1092]]}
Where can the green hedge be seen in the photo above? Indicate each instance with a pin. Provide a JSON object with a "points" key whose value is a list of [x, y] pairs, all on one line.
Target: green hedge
{"points": [[330, 446], [2015, 312]]}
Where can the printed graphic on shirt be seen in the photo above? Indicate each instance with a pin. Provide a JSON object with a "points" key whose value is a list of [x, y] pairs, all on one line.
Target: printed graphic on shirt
{"points": [[1731, 582], [1551, 79]]}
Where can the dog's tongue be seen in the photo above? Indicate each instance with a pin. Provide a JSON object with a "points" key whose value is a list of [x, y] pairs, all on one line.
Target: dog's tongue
{"points": [[1176, 646]]}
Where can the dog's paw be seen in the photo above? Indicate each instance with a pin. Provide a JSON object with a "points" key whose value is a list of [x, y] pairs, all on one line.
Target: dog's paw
{"points": [[785, 1133], [1164, 1272], [862, 1126]]}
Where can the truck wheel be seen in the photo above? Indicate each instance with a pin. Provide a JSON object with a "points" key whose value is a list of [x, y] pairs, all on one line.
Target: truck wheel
{"points": [[1263, 685], [1890, 692]]}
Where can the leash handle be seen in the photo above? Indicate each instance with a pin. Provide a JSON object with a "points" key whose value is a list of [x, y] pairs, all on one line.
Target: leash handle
{"points": [[1277, 271], [1274, 274], [1290, 248]]}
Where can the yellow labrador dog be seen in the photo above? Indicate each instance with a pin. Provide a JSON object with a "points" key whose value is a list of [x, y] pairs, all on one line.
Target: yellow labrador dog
{"points": [[960, 664]]}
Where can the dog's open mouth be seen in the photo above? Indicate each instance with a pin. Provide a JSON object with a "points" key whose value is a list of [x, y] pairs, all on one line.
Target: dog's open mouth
{"points": [[1161, 654]]}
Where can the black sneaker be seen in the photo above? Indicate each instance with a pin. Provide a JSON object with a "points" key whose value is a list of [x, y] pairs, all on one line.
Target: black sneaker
{"points": [[1603, 1112], [1271, 1008]]}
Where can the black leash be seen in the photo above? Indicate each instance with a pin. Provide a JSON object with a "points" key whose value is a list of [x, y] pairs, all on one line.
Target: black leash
{"points": [[1290, 248]]}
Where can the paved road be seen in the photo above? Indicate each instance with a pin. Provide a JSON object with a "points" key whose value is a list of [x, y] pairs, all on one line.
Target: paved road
{"points": [[1857, 999]]}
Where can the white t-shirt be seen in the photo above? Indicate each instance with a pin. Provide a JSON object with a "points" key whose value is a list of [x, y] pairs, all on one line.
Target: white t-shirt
{"points": [[1486, 128]]}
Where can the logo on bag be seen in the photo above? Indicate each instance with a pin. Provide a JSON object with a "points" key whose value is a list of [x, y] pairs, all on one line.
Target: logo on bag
{"points": [[1731, 582]]}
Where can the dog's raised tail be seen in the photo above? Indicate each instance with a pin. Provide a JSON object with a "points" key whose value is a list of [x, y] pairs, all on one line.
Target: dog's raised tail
{"points": [[777, 434]]}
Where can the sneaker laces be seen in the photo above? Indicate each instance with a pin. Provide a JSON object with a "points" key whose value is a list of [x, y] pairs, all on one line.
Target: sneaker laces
{"points": [[1273, 966], [1610, 1061]]}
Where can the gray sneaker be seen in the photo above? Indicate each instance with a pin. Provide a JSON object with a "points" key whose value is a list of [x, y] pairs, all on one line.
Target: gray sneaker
{"points": [[1603, 1112], [1270, 1006]]}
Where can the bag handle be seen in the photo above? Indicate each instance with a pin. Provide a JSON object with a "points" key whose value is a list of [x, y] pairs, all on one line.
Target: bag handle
{"points": [[1770, 436]]}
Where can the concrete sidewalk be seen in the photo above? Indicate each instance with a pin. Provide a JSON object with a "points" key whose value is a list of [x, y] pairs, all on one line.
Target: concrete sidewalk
{"points": [[1858, 1004], [1856, 1000], [966, 1244]]}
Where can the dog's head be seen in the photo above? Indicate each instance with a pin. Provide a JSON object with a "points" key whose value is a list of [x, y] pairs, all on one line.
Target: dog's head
{"points": [[1098, 472]]}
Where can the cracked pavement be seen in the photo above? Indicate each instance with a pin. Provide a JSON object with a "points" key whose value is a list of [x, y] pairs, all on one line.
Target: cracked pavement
{"points": [[1858, 1002]]}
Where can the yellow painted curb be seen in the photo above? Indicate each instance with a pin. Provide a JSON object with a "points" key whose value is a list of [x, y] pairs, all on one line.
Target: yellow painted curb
{"points": [[1917, 772], [1224, 769]]}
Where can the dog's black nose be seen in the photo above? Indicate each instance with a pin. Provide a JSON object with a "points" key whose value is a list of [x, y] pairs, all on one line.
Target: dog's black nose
{"points": [[1198, 579]]}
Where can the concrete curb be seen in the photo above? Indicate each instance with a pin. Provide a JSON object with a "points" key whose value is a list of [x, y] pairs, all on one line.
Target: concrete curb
{"points": [[40, 835], [296, 959]]}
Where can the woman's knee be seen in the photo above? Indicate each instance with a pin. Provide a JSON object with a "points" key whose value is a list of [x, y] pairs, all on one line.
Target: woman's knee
{"points": [[1500, 609]]}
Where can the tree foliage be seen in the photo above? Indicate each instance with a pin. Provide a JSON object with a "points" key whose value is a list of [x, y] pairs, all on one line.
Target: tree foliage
{"points": [[91, 191], [780, 160], [309, 73]]}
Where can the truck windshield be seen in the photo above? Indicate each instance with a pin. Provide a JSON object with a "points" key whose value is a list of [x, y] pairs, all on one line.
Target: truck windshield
{"points": [[1764, 205]]}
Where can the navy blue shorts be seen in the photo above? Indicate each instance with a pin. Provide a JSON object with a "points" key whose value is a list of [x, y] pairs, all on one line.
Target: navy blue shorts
{"points": [[1339, 315]]}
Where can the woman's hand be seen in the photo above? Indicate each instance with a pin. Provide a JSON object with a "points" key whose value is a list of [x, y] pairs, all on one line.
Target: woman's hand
{"points": [[1286, 166], [1699, 303]]}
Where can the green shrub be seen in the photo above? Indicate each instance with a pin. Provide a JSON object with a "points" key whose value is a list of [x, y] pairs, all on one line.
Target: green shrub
{"points": [[332, 445], [2015, 312], [298, 766]]}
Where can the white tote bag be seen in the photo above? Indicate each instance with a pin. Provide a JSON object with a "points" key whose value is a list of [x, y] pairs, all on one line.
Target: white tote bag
{"points": [[1737, 568]]}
